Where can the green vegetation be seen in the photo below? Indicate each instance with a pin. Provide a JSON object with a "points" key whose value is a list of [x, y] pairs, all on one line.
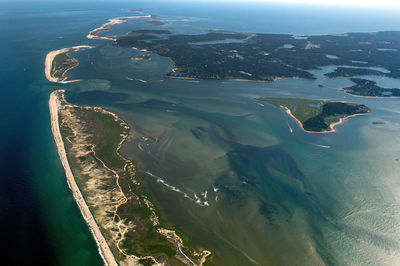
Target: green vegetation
{"points": [[61, 64], [364, 87], [107, 137], [302, 109], [221, 60], [351, 72], [317, 115], [270, 56]]}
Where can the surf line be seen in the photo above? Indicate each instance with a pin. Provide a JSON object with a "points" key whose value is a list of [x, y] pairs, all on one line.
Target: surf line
{"points": [[321, 146], [173, 188]]}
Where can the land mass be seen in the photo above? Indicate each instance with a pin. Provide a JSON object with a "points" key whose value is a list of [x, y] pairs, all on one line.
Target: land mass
{"points": [[58, 62], [267, 57], [316, 116], [221, 54], [95, 34], [369, 88], [121, 214]]}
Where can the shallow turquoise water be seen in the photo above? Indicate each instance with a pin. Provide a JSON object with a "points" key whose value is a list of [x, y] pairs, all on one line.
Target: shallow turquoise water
{"points": [[249, 188]]}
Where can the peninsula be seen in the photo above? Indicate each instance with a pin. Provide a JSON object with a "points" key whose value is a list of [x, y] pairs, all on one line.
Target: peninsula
{"points": [[95, 34], [316, 116], [124, 220]]}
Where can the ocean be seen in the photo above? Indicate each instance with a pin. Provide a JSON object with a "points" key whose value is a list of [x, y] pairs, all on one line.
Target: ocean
{"points": [[258, 189]]}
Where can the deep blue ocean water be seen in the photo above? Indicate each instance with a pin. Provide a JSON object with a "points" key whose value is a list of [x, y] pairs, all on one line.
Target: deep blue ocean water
{"points": [[351, 218]]}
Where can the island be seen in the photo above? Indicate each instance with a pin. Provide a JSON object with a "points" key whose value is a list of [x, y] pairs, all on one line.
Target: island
{"points": [[317, 116], [123, 217], [369, 88], [353, 71], [58, 62]]}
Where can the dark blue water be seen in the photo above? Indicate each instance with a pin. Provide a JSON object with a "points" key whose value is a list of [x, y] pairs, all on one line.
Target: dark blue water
{"points": [[40, 222]]}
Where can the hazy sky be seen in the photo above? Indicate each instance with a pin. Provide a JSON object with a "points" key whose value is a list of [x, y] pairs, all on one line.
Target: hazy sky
{"points": [[346, 2], [377, 3], [364, 3]]}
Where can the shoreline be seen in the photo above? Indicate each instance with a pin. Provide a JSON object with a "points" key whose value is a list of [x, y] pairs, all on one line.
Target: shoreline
{"points": [[104, 249], [331, 126], [228, 79], [107, 26], [48, 63]]}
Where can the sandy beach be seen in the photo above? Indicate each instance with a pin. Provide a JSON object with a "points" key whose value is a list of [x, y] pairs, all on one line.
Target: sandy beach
{"points": [[331, 126], [48, 64], [104, 249], [107, 26]]}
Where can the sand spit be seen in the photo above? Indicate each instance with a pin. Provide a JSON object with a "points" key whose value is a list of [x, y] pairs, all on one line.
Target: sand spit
{"points": [[48, 64], [107, 26], [104, 249], [58, 105]]}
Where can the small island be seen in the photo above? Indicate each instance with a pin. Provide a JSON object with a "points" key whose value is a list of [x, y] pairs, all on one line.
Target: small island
{"points": [[369, 88], [317, 116], [123, 217], [347, 72]]}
